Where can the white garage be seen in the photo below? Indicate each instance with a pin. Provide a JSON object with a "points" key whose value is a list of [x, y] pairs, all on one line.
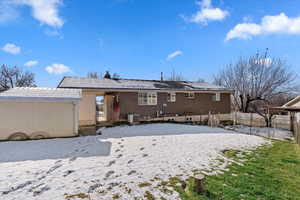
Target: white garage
{"points": [[35, 113]]}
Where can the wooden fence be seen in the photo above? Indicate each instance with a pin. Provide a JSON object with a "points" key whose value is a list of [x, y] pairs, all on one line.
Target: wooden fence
{"points": [[253, 119], [247, 119]]}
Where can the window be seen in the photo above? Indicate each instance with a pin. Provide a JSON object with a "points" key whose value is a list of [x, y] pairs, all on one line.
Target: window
{"points": [[217, 97], [147, 98], [142, 99], [190, 95], [171, 97]]}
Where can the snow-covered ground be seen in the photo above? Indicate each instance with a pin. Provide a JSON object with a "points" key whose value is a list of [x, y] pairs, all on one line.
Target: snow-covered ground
{"points": [[276, 133], [123, 162]]}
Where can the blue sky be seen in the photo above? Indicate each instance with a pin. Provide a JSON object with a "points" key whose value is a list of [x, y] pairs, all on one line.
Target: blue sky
{"points": [[141, 38]]}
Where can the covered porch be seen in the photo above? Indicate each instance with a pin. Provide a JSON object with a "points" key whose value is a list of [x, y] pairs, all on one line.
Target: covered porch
{"points": [[98, 107]]}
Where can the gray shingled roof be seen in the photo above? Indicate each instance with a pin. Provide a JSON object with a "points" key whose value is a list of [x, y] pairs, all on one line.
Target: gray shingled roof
{"points": [[133, 84], [40, 94]]}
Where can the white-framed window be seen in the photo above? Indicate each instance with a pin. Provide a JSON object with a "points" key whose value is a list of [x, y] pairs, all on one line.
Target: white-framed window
{"points": [[190, 95], [217, 96], [147, 98], [172, 97], [142, 98]]}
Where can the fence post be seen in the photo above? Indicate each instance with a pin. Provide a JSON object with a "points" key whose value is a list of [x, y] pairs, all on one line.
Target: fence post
{"points": [[274, 127], [292, 121], [251, 118], [209, 119], [297, 132], [234, 117]]}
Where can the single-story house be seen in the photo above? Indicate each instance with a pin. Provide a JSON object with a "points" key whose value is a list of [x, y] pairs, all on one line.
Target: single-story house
{"points": [[145, 99], [35, 113]]}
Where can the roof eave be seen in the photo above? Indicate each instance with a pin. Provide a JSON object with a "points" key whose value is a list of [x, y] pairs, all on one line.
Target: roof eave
{"points": [[38, 99], [151, 89], [293, 101]]}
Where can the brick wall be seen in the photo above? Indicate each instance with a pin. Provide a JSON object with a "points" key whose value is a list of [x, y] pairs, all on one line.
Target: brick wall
{"points": [[201, 104]]}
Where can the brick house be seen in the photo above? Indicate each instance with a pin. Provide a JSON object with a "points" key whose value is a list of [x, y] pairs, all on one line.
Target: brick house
{"points": [[146, 98]]}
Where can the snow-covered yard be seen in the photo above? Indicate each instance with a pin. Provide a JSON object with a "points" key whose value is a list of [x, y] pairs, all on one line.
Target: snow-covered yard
{"points": [[124, 162]]}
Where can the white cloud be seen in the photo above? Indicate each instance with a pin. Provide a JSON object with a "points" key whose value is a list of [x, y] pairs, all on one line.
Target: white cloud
{"points": [[57, 69], [45, 11], [174, 54], [11, 48], [277, 24], [31, 63], [208, 13], [244, 31]]}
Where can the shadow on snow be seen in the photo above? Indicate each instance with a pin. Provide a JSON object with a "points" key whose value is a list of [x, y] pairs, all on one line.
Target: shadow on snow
{"points": [[89, 146]]}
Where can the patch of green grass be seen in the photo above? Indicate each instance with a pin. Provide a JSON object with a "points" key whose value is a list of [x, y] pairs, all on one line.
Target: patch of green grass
{"points": [[149, 196], [77, 196], [230, 153], [269, 173], [116, 196], [174, 180], [146, 184], [166, 190]]}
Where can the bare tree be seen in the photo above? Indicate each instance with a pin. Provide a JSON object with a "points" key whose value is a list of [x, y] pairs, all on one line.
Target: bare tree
{"points": [[93, 75], [11, 77], [257, 81], [175, 77]]}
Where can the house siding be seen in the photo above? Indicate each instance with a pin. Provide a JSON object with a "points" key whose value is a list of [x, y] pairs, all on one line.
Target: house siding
{"points": [[202, 104]]}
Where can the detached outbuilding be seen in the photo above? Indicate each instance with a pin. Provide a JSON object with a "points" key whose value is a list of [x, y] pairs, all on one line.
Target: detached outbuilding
{"points": [[35, 113]]}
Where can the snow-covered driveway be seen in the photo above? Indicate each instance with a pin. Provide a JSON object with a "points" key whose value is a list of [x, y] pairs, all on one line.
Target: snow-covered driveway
{"points": [[123, 162]]}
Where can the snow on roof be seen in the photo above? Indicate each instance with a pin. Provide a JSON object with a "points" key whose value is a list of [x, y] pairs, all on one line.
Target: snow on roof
{"points": [[41, 94], [135, 84]]}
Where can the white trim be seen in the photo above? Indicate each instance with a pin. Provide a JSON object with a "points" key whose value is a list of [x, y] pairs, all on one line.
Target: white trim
{"points": [[37, 99], [190, 95], [150, 97], [216, 97], [171, 97]]}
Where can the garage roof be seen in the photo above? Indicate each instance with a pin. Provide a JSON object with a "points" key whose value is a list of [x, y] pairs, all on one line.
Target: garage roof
{"points": [[137, 84], [40, 94]]}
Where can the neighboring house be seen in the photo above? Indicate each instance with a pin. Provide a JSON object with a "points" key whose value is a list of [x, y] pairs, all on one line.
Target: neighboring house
{"points": [[295, 103], [35, 113], [147, 99], [293, 107]]}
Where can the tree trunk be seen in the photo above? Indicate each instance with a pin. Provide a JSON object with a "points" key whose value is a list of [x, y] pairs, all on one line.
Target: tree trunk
{"points": [[268, 121], [199, 184], [242, 103], [248, 101]]}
